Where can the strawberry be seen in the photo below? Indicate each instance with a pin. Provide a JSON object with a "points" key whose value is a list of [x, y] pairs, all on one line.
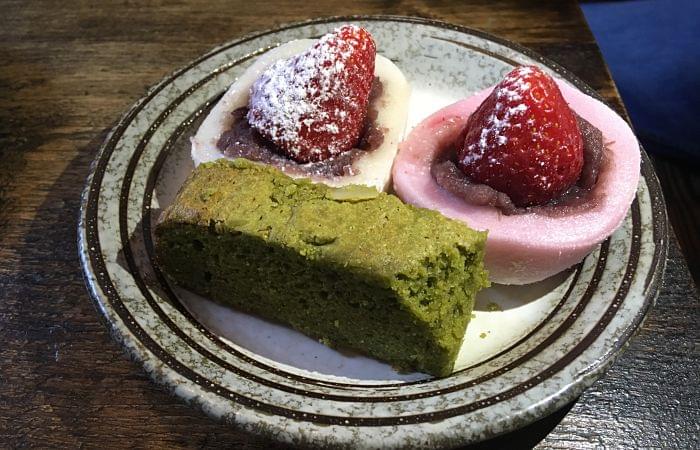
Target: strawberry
{"points": [[313, 105], [523, 140]]}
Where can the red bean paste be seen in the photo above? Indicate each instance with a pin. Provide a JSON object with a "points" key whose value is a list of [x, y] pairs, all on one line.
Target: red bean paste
{"points": [[243, 141], [578, 197]]}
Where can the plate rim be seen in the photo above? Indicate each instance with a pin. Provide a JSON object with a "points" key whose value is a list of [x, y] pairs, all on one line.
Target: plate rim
{"points": [[584, 378]]}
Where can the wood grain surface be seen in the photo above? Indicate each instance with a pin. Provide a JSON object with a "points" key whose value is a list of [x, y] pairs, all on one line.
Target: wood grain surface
{"points": [[69, 69]]}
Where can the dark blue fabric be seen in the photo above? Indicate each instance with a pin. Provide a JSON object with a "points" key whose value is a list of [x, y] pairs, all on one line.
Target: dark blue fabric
{"points": [[653, 51]]}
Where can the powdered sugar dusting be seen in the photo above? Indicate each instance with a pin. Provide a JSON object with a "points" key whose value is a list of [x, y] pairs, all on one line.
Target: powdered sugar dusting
{"points": [[509, 92], [312, 94]]}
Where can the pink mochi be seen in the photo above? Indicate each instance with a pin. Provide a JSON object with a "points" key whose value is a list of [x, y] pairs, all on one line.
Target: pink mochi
{"points": [[529, 247]]}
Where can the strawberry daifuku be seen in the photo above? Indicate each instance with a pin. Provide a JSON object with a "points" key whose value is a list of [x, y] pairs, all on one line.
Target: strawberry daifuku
{"points": [[329, 109], [540, 241]]}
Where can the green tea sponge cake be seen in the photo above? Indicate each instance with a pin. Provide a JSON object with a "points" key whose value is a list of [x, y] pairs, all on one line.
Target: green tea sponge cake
{"points": [[352, 267]]}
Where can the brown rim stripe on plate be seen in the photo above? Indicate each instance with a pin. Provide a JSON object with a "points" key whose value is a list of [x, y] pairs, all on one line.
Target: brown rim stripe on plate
{"points": [[659, 228], [652, 282], [91, 200], [146, 206]]}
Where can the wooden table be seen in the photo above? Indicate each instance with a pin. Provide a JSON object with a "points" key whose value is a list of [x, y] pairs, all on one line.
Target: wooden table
{"points": [[69, 70]]}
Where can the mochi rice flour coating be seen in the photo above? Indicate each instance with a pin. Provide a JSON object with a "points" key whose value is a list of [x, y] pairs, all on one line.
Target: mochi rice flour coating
{"points": [[528, 247]]}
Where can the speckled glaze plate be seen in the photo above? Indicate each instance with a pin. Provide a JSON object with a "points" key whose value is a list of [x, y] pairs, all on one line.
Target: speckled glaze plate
{"points": [[529, 350]]}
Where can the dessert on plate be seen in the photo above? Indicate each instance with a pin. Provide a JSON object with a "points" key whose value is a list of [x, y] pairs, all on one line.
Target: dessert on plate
{"points": [[332, 110], [350, 266], [549, 171]]}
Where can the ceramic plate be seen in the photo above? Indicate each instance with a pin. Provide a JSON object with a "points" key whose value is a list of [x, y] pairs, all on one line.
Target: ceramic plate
{"points": [[529, 350]]}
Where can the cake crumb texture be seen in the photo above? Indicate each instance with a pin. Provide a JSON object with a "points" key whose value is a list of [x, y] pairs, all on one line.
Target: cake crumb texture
{"points": [[354, 269]]}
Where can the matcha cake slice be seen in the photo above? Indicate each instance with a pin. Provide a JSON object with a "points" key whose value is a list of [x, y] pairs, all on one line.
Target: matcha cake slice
{"points": [[351, 267]]}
